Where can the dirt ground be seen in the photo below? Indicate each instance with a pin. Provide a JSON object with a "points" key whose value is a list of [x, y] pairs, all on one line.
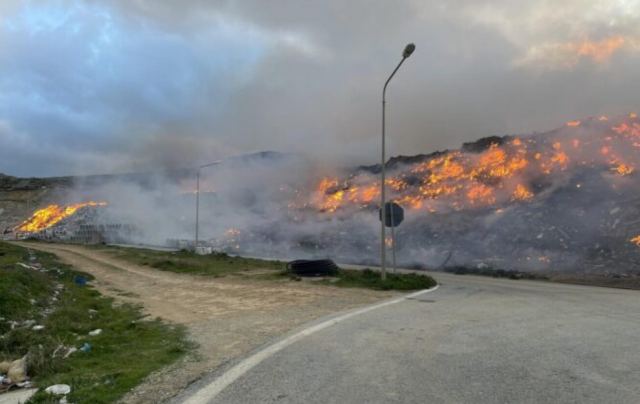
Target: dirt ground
{"points": [[227, 317]]}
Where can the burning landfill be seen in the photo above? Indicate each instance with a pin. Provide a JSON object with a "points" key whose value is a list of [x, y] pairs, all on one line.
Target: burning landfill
{"points": [[564, 200], [73, 223], [51, 215]]}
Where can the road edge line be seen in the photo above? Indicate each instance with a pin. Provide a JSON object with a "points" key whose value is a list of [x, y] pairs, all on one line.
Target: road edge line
{"points": [[211, 390]]}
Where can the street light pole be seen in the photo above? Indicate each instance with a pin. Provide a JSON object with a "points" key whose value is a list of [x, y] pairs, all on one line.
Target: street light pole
{"points": [[408, 50], [197, 206], [198, 198]]}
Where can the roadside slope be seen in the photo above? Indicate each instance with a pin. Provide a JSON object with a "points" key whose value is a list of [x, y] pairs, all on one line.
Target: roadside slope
{"points": [[227, 317]]}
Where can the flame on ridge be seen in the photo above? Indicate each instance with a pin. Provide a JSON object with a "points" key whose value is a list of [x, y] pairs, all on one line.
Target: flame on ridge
{"points": [[47, 217], [499, 173]]}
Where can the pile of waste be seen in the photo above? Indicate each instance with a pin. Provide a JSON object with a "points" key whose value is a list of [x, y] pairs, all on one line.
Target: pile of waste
{"points": [[561, 201], [14, 374]]}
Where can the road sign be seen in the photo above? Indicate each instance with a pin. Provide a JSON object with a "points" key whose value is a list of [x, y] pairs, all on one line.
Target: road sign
{"points": [[394, 214]]}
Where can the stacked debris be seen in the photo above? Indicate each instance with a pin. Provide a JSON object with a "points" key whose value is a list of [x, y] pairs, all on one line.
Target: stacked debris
{"points": [[564, 201], [76, 223], [13, 374]]}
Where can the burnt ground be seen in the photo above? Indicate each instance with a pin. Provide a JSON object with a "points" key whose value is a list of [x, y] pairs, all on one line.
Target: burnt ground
{"points": [[609, 281]]}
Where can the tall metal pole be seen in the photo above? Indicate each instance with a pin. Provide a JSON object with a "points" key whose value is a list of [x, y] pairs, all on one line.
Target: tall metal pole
{"points": [[198, 196], [393, 244], [383, 236], [197, 205], [383, 247]]}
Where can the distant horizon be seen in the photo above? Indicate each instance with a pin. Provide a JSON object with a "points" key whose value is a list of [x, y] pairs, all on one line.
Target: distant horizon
{"points": [[373, 161]]}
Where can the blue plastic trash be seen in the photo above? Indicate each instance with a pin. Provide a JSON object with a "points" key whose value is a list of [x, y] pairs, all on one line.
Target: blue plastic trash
{"points": [[80, 280]]}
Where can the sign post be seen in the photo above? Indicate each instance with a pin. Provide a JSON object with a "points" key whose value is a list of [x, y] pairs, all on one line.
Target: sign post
{"points": [[392, 217]]}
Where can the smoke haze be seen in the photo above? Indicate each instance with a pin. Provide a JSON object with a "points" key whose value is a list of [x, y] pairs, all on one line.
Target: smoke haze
{"points": [[564, 200], [121, 86]]}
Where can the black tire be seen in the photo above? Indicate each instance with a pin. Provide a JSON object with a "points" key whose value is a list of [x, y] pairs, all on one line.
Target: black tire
{"points": [[324, 267]]}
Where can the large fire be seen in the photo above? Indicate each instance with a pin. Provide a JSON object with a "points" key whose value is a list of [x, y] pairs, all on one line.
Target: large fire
{"points": [[506, 170], [53, 214]]}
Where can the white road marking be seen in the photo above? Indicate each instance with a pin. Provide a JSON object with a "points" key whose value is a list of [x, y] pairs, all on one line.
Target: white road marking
{"points": [[214, 388]]}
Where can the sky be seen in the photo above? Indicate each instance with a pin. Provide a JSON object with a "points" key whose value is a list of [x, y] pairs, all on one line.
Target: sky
{"points": [[91, 87]]}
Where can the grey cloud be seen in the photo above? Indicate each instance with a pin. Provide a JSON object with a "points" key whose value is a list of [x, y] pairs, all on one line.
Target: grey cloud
{"points": [[199, 80]]}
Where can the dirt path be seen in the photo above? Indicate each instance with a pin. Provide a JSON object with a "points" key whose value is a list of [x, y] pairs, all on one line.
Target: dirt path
{"points": [[227, 317]]}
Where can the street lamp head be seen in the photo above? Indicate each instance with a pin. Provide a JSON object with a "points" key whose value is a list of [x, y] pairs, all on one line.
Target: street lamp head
{"points": [[408, 50]]}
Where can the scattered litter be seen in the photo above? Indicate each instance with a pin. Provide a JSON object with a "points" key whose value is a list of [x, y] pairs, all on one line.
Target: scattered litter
{"points": [[86, 347], [58, 349], [95, 332], [201, 250], [64, 351], [63, 400], [18, 370], [70, 351], [29, 323], [26, 266], [58, 389], [37, 327], [80, 280]]}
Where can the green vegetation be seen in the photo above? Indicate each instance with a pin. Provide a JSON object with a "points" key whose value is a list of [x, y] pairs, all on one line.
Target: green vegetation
{"points": [[217, 264], [128, 349], [373, 280], [369, 279]]}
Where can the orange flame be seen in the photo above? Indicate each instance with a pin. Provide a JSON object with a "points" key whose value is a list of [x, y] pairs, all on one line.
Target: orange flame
{"points": [[456, 180], [621, 168], [481, 193], [52, 214], [522, 193]]}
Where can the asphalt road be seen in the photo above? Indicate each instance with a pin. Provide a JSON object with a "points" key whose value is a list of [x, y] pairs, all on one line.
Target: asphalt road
{"points": [[474, 340]]}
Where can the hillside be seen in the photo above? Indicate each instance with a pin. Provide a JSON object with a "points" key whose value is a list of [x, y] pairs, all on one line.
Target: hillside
{"points": [[563, 201]]}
